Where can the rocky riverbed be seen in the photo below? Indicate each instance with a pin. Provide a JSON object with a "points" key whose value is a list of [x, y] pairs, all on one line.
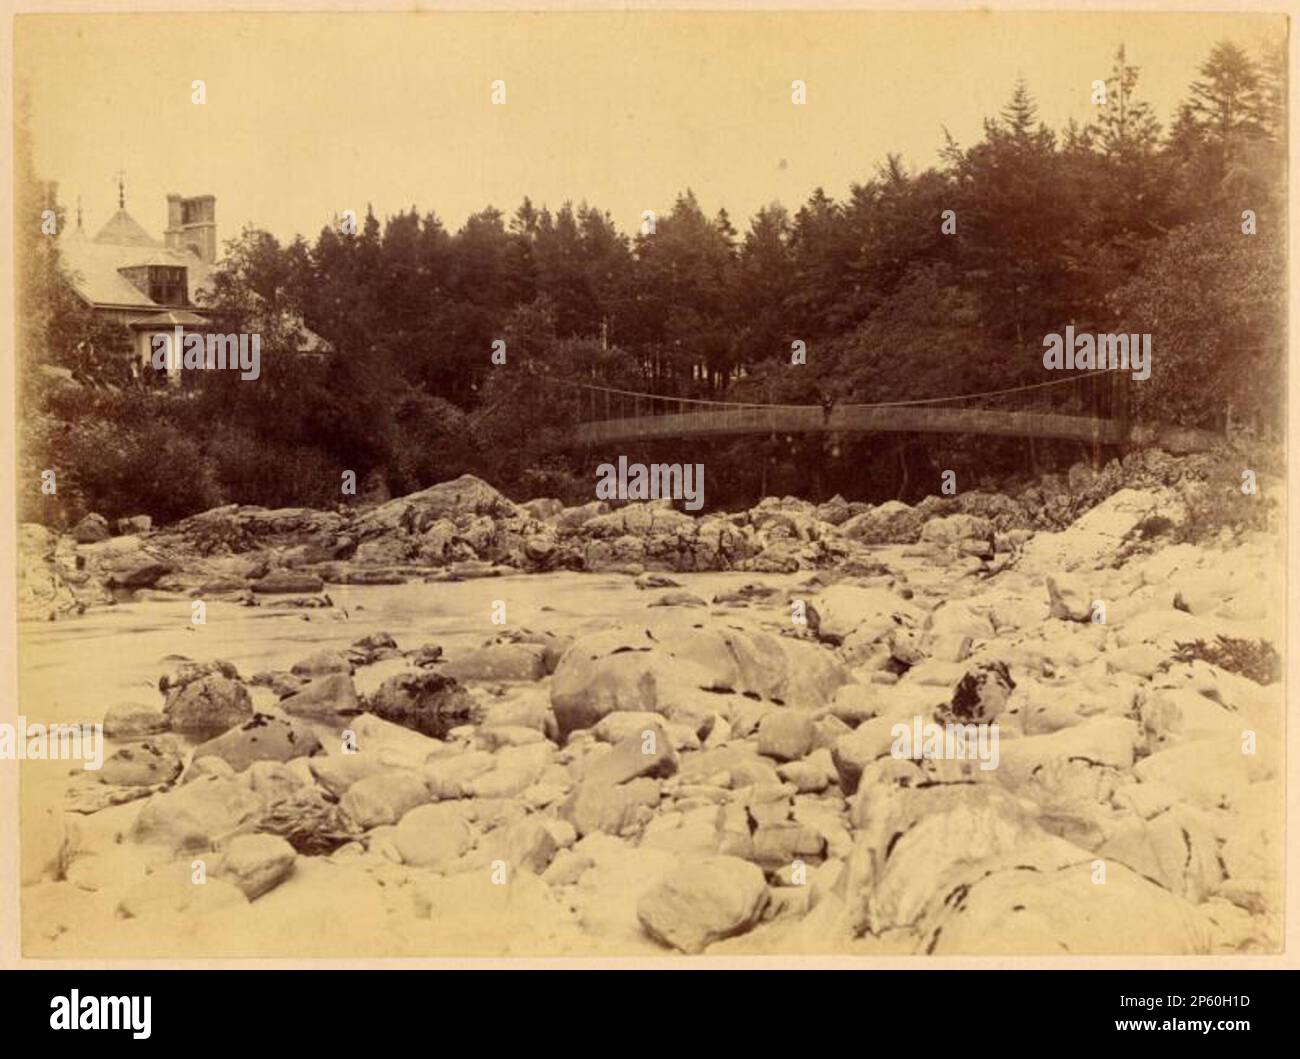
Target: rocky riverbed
{"points": [[668, 735]]}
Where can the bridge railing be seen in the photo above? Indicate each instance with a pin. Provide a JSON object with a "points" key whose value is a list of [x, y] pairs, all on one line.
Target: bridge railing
{"points": [[609, 414], [852, 419]]}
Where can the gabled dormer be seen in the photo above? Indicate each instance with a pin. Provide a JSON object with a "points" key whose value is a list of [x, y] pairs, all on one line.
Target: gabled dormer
{"points": [[163, 282]]}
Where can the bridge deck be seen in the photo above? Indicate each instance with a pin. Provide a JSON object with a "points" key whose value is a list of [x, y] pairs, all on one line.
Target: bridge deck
{"points": [[862, 419]]}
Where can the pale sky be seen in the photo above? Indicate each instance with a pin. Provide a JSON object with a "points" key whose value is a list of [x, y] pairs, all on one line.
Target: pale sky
{"points": [[307, 115]]}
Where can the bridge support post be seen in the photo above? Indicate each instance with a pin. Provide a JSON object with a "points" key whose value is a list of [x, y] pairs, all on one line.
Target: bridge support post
{"points": [[1121, 406]]}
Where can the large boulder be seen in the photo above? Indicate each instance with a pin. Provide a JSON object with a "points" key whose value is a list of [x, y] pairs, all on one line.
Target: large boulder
{"points": [[670, 664], [1002, 511], [572, 519], [741, 760], [194, 816], [1178, 848], [384, 798], [238, 567], [785, 735], [171, 891], [385, 551], [135, 568], [981, 695], [1098, 535], [1066, 909], [841, 610], [529, 844], [949, 530], [393, 743], [543, 508], [256, 863], [553, 645], [640, 520], [432, 836], [540, 548], [325, 698], [208, 705], [647, 753], [853, 752], [186, 671], [1070, 599], [143, 764], [1171, 716], [1108, 742], [836, 511], [91, 529], [611, 808], [337, 772], [893, 522], [134, 524], [261, 738], [650, 535], [43, 592], [233, 528], [284, 581], [1209, 773], [716, 545], [499, 661], [133, 720], [703, 901], [968, 868], [462, 497], [373, 648], [426, 702], [453, 775], [322, 663], [915, 845]]}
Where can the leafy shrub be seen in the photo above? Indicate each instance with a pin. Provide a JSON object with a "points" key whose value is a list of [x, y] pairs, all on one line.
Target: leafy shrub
{"points": [[1219, 504], [555, 479], [1256, 660], [253, 470], [151, 467]]}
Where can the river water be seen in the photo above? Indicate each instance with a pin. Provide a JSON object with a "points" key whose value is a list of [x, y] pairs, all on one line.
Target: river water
{"points": [[72, 671]]}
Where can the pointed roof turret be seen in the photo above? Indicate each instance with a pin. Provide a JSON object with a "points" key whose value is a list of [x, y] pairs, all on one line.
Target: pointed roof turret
{"points": [[123, 230]]}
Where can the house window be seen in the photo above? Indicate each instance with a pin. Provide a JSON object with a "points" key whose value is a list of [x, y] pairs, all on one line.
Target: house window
{"points": [[163, 284], [167, 286]]}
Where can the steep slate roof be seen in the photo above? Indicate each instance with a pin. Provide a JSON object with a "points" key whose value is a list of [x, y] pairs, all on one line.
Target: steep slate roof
{"points": [[93, 264], [93, 267]]}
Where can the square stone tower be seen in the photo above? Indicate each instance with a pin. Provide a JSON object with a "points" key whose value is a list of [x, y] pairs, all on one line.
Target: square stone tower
{"points": [[192, 224]]}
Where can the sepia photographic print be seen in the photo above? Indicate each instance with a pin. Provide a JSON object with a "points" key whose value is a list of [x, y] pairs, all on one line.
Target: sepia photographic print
{"points": [[655, 484]]}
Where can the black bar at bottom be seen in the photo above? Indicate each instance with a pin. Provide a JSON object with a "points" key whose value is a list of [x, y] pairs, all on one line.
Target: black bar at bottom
{"points": [[540, 1009]]}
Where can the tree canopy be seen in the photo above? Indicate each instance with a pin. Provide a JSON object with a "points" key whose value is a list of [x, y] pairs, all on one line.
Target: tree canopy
{"points": [[1120, 225]]}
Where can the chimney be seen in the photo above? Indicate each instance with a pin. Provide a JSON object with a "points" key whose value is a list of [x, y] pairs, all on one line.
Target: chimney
{"points": [[174, 233]]}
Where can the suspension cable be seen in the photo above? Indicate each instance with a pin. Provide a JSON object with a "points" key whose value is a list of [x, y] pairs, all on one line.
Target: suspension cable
{"points": [[877, 404]]}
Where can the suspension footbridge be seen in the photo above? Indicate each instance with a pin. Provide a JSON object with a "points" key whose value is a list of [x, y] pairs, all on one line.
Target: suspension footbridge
{"points": [[609, 415]]}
